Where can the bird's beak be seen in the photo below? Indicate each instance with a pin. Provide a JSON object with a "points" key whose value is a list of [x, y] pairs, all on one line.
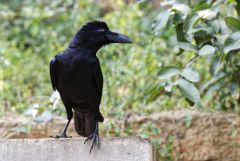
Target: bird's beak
{"points": [[114, 37]]}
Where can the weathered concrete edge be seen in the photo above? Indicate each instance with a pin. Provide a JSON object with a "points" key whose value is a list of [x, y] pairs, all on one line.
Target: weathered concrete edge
{"points": [[151, 151], [82, 139]]}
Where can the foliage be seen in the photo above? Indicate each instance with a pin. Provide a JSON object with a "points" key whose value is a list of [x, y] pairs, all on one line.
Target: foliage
{"points": [[139, 78], [32, 33], [207, 32]]}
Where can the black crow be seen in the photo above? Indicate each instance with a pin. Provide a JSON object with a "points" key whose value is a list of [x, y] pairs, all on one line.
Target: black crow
{"points": [[76, 74]]}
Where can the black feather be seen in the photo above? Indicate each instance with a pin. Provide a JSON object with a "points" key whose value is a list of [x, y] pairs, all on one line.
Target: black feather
{"points": [[94, 25], [53, 73]]}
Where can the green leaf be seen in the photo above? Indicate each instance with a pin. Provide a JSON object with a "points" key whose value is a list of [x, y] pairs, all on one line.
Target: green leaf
{"points": [[190, 22], [233, 23], [180, 33], [189, 90], [202, 37], [187, 46], [188, 120], [190, 75], [215, 66], [168, 72], [182, 8], [221, 39], [161, 21], [216, 26], [207, 50], [215, 80], [238, 7], [207, 14], [154, 93], [177, 18], [232, 42], [201, 6], [223, 27]]}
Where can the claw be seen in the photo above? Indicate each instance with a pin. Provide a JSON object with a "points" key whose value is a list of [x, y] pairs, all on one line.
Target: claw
{"points": [[88, 138], [95, 138], [61, 136], [98, 142]]}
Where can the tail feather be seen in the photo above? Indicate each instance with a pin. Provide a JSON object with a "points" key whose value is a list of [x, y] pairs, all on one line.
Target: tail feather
{"points": [[84, 124]]}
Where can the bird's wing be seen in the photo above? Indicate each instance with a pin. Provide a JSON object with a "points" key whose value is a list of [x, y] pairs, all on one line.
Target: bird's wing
{"points": [[98, 80], [53, 73]]}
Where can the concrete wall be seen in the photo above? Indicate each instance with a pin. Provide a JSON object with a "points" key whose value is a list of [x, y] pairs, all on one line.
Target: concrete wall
{"points": [[115, 149]]}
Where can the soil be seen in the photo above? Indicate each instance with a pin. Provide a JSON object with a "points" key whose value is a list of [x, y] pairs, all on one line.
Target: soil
{"points": [[198, 136]]}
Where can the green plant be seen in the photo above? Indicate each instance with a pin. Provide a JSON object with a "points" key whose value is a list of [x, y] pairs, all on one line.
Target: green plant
{"points": [[164, 148], [208, 38], [31, 33]]}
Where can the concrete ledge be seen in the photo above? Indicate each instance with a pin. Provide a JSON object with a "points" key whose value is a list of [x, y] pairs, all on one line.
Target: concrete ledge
{"points": [[115, 149]]}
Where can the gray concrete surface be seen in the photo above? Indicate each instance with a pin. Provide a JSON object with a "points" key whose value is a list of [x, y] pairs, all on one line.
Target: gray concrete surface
{"points": [[73, 149]]}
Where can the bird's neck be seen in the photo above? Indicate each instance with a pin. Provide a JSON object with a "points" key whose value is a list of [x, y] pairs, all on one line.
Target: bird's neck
{"points": [[86, 50], [79, 44]]}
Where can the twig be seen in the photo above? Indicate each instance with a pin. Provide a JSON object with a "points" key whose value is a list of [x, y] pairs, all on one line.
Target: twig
{"points": [[191, 60]]}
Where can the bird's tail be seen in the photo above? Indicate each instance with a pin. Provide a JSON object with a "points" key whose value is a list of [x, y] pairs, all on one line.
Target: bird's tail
{"points": [[84, 125]]}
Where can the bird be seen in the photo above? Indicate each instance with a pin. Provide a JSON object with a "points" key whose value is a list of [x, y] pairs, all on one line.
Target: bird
{"points": [[76, 74]]}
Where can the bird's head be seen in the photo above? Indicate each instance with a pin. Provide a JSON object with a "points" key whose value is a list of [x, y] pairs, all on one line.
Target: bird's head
{"points": [[96, 34]]}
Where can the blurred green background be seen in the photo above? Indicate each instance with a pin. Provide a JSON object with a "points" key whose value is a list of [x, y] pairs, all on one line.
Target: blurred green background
{"points": [[32, 32]]}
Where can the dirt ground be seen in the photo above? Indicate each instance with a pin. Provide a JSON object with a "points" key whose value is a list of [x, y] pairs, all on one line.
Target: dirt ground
{"points": [[198, 136]]}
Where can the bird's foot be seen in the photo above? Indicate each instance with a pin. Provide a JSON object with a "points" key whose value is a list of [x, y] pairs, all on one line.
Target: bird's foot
{"points": [[63, 135], [95, 140]]}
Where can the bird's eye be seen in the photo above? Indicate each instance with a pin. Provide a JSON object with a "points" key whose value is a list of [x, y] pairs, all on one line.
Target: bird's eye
{"points": [[100, 30]]}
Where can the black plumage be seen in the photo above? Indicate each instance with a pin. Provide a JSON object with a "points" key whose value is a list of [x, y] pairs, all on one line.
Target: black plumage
{"points": [[77, 75]]}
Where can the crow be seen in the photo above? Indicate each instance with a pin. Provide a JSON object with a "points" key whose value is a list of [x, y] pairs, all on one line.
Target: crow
{"points": [[76, 74]]}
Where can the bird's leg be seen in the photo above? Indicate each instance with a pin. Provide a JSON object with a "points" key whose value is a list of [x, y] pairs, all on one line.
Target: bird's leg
{"points": [[63, 134], [69, 117], [94, 137]]}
